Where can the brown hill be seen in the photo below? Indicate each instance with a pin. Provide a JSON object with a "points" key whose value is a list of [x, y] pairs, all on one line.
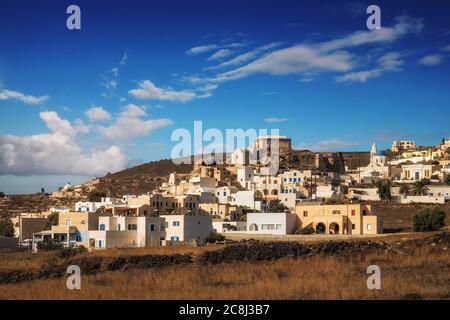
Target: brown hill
{"points": [[140, 179]]}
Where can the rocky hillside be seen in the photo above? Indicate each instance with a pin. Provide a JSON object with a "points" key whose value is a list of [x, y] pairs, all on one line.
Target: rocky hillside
{"points": [[140, 179]]}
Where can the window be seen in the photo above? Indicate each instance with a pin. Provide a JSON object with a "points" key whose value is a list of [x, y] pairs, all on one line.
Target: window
{"points": [[305, 213], [278, 226], [132, 226], [353, 212], [152, 227], [174, 238], [102, 227], [364, 212], [68, 223], [100, 243], [119, 227], [369, 227], [353, 226], [176, 223], [336, 212]]}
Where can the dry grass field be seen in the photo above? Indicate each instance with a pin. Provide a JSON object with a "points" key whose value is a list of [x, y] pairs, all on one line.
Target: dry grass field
{"points": [[415, 268]]}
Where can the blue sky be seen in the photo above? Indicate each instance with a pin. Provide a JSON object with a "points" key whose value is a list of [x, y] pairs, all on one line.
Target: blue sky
{"points": [[77, 104]]}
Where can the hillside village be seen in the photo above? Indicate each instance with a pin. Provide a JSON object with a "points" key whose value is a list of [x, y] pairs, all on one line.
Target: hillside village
{"points": [[308, 193]]}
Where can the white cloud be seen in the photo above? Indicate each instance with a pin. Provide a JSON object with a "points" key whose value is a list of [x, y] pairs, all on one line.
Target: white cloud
{"points": [[124, 59], [325, 56], [98, 114], [247, 56], [446, 48], [148, 91], [220, 54], [57, 152], [28, 99], [431, 60], [202, 49], [296, 59], [275, 120], [389, 62], [130, 125]]}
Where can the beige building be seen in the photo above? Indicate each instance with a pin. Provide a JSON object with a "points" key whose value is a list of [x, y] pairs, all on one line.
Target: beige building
{"points": [[126, 231], [418, 171], [72, 228], [351, 219], [225, 211], [272, 145], [403, 145]]}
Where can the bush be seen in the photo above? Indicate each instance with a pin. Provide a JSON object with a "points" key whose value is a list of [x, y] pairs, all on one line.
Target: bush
{"points": [[306, 230], [52, 220], [49, 245], [6, 228], [96, 196], [214, 237], [70, 251], [429, 220]]}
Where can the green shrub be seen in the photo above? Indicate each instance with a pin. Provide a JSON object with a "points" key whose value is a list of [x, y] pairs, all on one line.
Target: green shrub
{"points": [[306, 230], [429, 220]]}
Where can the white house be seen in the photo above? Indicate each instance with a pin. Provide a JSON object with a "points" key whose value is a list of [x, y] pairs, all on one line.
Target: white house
{"points": [[280, 223], [225, 194], [187, 227], [247, 199]]}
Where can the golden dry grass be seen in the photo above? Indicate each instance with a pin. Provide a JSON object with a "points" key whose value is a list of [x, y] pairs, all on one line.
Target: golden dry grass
{"points": [[424, 272]]}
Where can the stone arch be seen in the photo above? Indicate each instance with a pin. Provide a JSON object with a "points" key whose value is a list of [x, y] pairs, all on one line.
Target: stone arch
{"points": [[274, 192], [321, 228], [334, 228], [253, 227]]}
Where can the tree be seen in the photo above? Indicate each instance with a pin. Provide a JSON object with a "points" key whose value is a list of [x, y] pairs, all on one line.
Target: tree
{"points": [[384, 190], [42, 190], [276, 206], [447, 180], [2, 194], [405, 189], [429, 220], [420, 188], [336, 199], [52, 220], [96, 196], [6, 228]]}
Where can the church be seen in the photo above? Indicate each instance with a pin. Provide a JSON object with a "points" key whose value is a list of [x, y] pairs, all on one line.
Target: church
{"points": [[377, 169]]}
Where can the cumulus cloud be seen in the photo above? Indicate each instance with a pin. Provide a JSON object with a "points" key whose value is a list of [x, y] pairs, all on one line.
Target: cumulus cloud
{"points": [[148, 91], [57, 152], [28, 99], [98, 114], [431, 60], [275, 120], [130, 125]]}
